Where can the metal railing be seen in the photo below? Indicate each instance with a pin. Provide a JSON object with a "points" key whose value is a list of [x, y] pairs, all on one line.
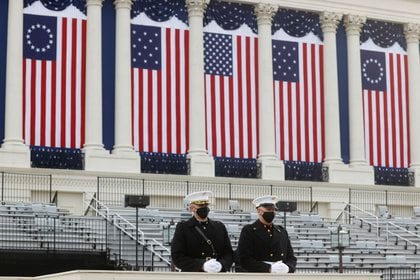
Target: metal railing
{"points": [[25, 187], [349, 211], [170, 194], [398, 236], [399, 202], [129, 229]]}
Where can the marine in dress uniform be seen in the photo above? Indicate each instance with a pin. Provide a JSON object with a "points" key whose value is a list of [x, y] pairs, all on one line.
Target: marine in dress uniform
{"points": [[263, 246], [190, 250]]}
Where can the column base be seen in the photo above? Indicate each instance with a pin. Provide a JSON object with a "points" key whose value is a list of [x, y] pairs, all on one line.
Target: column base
{"points": [[271, 169], [101, 160], [356, 174], [201, 165], [15, 156]]}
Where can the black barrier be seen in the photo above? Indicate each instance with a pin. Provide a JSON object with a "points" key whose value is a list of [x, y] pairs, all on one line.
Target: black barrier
{"points": [[164, 163], [56, 158], [236, 167], [393, 176], [303, 171]]}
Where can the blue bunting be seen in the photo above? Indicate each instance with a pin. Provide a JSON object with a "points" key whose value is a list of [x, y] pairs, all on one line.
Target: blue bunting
{"points": [[383, 34], [161, 10], [59, 5], [297, 23], [231, 16]]}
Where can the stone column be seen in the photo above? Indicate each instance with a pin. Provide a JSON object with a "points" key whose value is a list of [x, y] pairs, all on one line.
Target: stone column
{"points": [[94, 77], [360, 171], [329, 23], [412, 32], [201, 164], [271, 168], [123, 147], [13, 152], [353, 26]]}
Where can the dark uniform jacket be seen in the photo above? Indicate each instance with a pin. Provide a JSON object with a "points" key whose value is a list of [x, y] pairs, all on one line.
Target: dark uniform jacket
{"points": [[189, 250], [256, 246]]}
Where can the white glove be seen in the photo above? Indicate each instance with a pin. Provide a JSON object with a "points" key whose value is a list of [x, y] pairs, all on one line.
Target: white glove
{"points": [[279, 267], [212, 266]]}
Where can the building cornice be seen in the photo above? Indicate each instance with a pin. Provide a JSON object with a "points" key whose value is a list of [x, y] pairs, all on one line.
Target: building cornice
{"points": [[399, 11]]}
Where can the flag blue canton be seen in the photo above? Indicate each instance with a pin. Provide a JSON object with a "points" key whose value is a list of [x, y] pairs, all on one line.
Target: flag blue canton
{"points": [[285, 61], [40, 36], [218, 55], [373, 70], [146, 47]]}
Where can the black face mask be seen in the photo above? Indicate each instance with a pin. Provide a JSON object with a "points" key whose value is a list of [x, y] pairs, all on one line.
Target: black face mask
{"points": [[268, 216], [203, 212]]}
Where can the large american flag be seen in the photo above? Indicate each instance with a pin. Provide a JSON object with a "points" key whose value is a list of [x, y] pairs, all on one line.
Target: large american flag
{"points": [[54, 68], [385, 107], [298, 100], [160, 88], [231, 86]]}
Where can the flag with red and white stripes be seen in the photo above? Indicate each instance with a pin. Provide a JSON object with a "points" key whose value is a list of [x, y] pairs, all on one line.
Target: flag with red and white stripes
{"points": [[231, 87], [298, 100], [54, 68], [160, 88], [385, 107]]}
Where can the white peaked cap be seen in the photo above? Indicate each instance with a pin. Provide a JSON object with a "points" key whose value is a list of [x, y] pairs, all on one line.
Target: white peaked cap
{"points": [[202, 197], [267, 200]]}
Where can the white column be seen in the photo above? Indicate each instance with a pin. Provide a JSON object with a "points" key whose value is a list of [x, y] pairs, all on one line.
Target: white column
{"points": [[13, 152], [271, 168], [359, 172], [123, 141], [329, 23], [412, 32], [201, 164], [94, 77], [353, 26], [123, 148]]}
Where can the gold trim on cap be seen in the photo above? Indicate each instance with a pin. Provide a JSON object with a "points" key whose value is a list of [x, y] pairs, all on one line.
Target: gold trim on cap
{"points": [[200, 202]]}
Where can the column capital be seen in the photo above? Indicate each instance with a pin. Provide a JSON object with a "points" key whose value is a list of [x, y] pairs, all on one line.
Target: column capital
{"points": [[123, 4], [354, 23], [94, 3], [196, 7], [412, 32], [265, 13], [329, 21]]}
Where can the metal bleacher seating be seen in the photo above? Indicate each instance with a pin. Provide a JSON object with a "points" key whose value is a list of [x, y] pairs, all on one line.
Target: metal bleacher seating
{"points": [[26, 226], [310, 235]]}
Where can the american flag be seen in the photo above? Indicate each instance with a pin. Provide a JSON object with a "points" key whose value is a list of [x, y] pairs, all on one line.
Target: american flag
{"points": [[385, 107], [231, 86], [54, 68], [231, 82], [160, 88], [298, 100]]}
